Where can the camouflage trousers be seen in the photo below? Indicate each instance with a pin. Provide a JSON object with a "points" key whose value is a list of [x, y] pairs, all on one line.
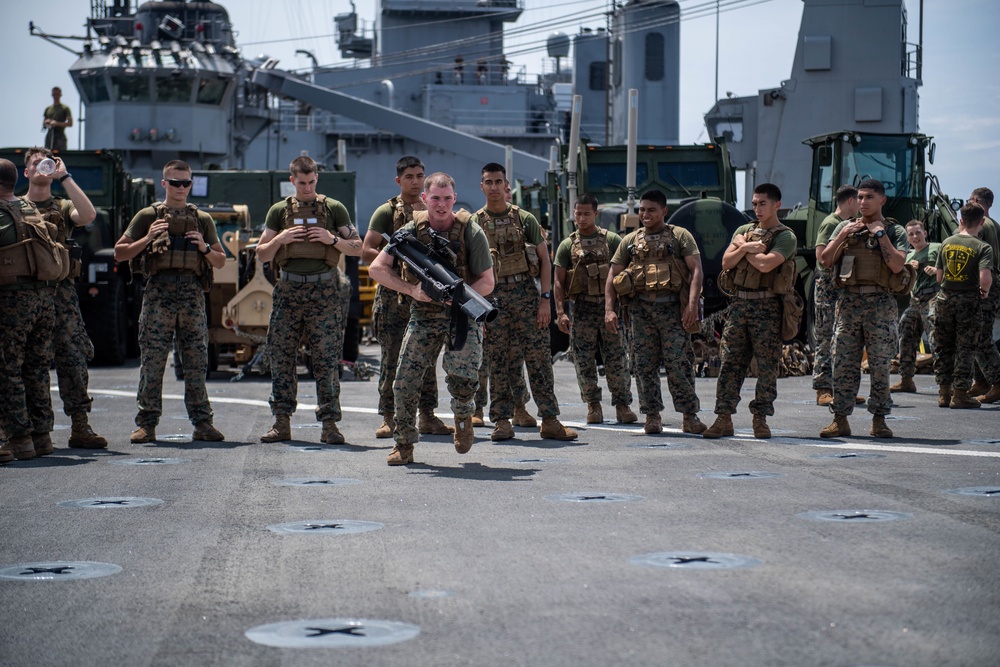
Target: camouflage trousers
{"points": [[916, 320], [26, 321], [421, 347], [73, 351], [753, 329], [516, 328], [956, 337], [521, 395], [825, 298], [864, 321], [659, 339], [310, 314], [987, 356], [589, 336], [170, 309], [390, 315]]}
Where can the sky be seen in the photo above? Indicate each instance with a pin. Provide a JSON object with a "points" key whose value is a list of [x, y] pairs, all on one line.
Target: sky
{"points": [[959, 99]]}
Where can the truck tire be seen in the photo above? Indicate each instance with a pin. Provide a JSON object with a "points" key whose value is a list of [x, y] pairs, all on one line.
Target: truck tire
{"points": [[107, 324]]}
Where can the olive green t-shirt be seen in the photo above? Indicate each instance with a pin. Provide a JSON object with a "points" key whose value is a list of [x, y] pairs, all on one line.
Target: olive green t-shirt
{"points": [[961, 258], [990, 234], [926, 256], [564, 257], [824, 235], [686, 245], [785, 243], [336, 217]]}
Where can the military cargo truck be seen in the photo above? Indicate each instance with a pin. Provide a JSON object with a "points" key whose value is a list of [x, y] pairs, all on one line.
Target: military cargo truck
{"points": [[109, 299]]}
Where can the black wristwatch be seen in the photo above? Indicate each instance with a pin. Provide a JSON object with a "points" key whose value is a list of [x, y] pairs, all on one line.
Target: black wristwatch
{"points": [[64, 177], [546, 295], [208, 249], [880, 233]]}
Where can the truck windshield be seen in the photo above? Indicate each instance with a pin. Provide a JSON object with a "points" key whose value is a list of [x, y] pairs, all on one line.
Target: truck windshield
{"points": [[888, 159]]}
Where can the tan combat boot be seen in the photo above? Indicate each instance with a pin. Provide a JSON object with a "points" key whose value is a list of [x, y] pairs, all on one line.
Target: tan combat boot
{"points": [[207, 432], [282, 429], [523, 418], [430, 424], [502, 431], [464, 434], [553, 429], [723, 426], [624, 414], [477, 418], [944, 396], [331, 435], [979, 388], [42, 443], [992, 396], [692, 424], [595, 413], [387, 427], [838, 428], [654, 424], [904, 386], [143, 434], [960, 400], [21, 448], [879, 427], [400, 455], [824, 397], [760, 427], [82, 436]]}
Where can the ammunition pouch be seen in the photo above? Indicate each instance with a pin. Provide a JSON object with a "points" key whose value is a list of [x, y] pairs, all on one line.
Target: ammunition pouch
{"points": [[902, 282], [626, 283], [791, 317]]}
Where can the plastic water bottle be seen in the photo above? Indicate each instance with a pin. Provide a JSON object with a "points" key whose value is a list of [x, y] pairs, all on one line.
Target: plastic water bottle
{"points": [[46, 167]]}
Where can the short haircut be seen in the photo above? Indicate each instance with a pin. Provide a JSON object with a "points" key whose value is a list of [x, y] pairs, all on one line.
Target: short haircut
{"points": [[303, 165], [654, 195], [972, 214], [408, 162], [492, 167], [872, 184], [36, 150], [916, 223], [179, 165], [985, 195], [8, 174], [769, 190], [57, 88], [587, 199], [439, 179], [846, 193]]}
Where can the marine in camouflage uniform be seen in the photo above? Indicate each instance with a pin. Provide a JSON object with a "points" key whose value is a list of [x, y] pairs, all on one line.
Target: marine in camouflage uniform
{"points": [[825, 295], [176, 245], [519, 253], [73, 348], [430, 322], [964, 269], [304, 235], [864, 256], [918, 318], [26, 321], [391, 310], [762, 256], [987, 363]]}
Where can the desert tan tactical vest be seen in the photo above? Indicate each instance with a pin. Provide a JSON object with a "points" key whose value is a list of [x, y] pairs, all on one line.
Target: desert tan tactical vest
{"points": [[512, 254], [53, 213], [459, 262], [653, 261], [307, 213], [780, 280], [591, 260], [36, 253], [180, 255], [862, 262]]}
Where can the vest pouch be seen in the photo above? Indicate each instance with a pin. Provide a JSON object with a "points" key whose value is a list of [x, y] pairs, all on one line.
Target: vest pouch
{"points": [[727, 282], [75, 252], [746, 277], [846, 270], [15, 262], [791, 317], [624, 284], [784, 278], [902, 282], [48, 261], [531, 256]]}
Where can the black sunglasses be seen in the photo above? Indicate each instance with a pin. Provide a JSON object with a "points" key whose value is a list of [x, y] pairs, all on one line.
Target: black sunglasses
{"points": [[178, 183]]}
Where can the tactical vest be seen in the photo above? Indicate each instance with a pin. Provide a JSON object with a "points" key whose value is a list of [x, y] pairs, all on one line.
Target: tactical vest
{"points": [[307, 213], [401, 215], [180, 254], [36, 253], [653, 261], [780, 280], [591, 259], [512, 254], [459, 261], [53, 213], [862, 262]]}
